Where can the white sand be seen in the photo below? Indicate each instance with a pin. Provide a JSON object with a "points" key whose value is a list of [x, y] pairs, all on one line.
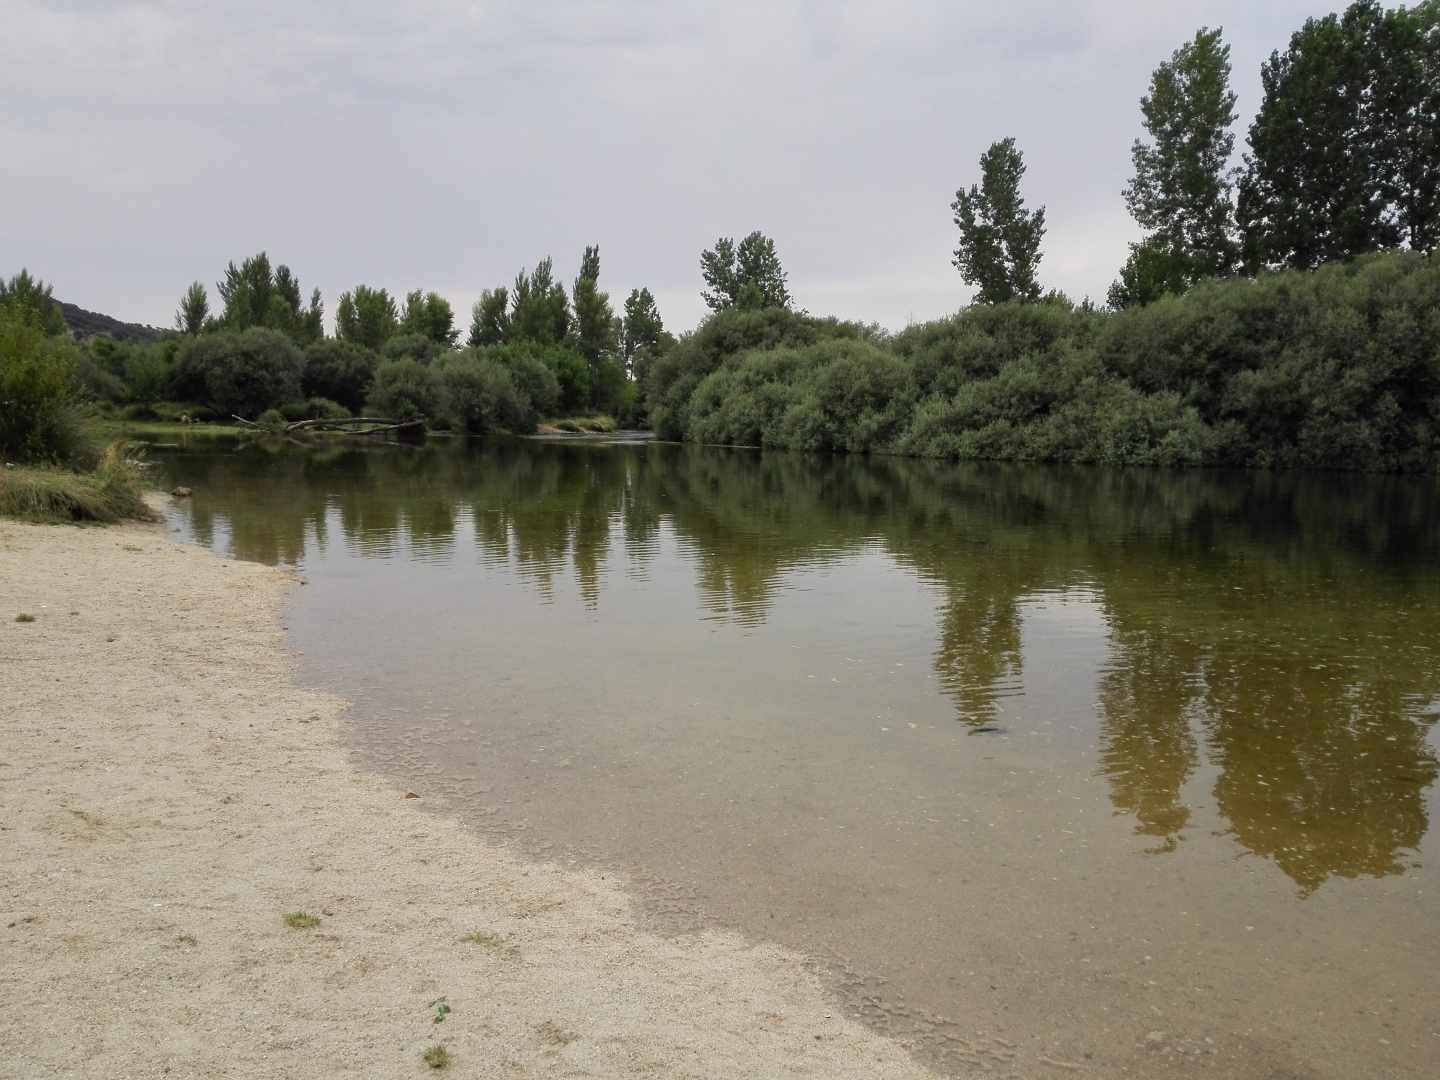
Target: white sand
{"points": [[167, 795]]}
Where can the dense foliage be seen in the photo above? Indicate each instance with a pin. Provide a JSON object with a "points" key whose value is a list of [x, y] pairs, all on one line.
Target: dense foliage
{"points": [[1345, 150], [1207, 359], [37, 391], [1180, 192], [240, 374], [1338, 368], [999, 250], [747, 275]]}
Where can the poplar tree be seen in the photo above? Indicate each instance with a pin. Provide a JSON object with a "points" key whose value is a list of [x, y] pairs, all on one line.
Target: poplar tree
{"points": [[194, 308], [429, 314], [539, 308], [1313, 187], [641, 327], [745, 276], [490, 318], [32, 300], [1181, 192], [367, 317], [594, 317], [999, 249]]}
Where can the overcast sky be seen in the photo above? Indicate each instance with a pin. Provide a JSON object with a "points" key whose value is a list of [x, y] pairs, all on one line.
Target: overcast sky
{"points": [[445, 145]]}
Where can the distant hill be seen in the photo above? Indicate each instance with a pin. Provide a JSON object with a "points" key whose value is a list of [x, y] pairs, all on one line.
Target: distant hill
{"points": [[87, 324]]}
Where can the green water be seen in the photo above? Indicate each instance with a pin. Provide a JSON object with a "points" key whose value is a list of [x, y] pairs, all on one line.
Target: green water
{"points": [[1038, 763]]}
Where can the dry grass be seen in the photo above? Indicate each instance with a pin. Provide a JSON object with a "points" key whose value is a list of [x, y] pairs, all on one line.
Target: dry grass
{"points": [[300, 920], [437, 1057], [113, 492], [594, 425]]}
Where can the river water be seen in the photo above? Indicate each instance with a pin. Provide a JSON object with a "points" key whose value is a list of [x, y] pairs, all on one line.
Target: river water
{"points": [[1054, 771]]}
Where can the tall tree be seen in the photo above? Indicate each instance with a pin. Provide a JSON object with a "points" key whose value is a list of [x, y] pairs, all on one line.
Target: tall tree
{"points": [[194, 308], [594, 317], [747, 276], [999, 250], [1311, 190], [429, 314], [539, 308], [31, 298], [490, 318], [1407, 96], [1180, 193], [367, 317], [256, 295], [641, 328]]}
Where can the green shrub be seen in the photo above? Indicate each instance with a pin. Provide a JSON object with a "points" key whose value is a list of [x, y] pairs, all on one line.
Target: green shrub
{"points": [[414, 346], [572, 378], [271, 420], [481, 397], [528, 367], [241, 374], [94, 383], [148, 371], [315, 408], [405, 390], [341, 371], [38, 422], [673, 376], [1335, 368]]}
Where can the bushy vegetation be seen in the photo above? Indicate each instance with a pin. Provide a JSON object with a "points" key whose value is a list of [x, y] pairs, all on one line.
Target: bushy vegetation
{"points": [[405, 390], [50, 494], [1210, 357], [38, 421], [481, 397], [241, 373], [1337, 368], [340, 371]]}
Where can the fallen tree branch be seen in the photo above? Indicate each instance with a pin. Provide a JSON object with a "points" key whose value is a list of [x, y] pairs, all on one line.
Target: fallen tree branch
{"points": [[403, 425], [350, 421]]}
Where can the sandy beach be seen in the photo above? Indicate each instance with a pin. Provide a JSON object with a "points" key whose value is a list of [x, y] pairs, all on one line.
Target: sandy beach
{"points": [[168, 795]]}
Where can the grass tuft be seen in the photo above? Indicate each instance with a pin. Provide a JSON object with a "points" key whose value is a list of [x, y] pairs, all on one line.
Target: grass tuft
{"points": [[437, 1057], [480, 937], [186, 939], [113, 492], [300, 920], [594, 425], [24, 616]]}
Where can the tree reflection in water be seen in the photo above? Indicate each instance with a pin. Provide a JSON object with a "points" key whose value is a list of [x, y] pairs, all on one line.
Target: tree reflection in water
{"points": [[1278, 629]]}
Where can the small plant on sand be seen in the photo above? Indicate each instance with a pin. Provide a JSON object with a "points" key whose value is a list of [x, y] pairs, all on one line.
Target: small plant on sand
{"points": [[442, 1010], [186, 939], [300, 920], [484, 940], [437, 1057], [24, 616]]}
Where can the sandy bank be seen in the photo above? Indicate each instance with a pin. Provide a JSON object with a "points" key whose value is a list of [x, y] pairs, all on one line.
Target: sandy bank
{"points": [[168, 795]]}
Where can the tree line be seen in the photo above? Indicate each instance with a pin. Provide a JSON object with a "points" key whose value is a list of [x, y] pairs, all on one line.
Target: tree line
{"points": [[1303, 344], [1343, 160]]}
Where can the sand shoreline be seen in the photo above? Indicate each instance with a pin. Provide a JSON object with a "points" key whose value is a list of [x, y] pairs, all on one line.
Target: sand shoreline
{"points": [[168, 794]]}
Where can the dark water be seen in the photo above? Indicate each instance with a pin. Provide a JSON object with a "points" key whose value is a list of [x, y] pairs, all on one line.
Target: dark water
{"points": [[1125, 771]]}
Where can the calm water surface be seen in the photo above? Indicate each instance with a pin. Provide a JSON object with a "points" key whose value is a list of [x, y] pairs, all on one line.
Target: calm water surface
{"points": [[1055, 771]]}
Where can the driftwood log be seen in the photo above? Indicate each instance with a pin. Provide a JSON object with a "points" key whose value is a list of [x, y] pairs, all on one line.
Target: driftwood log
{"points": [[354, 425]]}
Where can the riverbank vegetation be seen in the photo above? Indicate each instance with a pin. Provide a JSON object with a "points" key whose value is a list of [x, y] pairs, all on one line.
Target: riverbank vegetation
{"points": [[48, 470], [1277, 314], [111, 491], [1336, 368]]}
